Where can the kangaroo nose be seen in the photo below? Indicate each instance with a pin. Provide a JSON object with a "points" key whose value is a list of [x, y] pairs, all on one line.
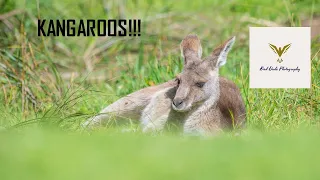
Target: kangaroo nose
{"points": [[177, 102]]}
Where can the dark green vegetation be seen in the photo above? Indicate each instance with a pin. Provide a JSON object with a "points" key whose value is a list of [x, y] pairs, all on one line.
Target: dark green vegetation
{"points": [[58, 82]]}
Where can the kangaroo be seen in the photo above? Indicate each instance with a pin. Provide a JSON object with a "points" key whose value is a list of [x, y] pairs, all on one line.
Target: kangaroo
{"points": [[204, 102]]}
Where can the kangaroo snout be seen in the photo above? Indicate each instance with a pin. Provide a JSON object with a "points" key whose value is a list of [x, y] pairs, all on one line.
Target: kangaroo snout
{"points": [[177, 102]]}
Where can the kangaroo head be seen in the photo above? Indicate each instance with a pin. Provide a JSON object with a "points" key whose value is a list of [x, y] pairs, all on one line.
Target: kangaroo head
{"points": [[199, 79]]}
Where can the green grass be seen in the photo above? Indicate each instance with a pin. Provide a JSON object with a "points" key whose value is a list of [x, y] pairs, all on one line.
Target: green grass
{"points": [[60, 155], [77, 76], [58, 82]]}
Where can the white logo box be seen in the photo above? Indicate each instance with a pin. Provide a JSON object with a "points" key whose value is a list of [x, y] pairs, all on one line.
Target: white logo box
{"points": [[292, 69]]}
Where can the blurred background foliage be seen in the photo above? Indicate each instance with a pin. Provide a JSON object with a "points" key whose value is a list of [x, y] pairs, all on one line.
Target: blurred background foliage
{"points": [[60, 78]]}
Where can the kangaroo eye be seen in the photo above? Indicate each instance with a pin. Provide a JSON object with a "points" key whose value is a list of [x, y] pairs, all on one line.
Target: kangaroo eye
{"points": [[200, 84]]}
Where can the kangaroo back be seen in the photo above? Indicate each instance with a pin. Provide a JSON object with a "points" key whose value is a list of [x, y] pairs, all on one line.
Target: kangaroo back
{"points": [[230, 104], [128, 107]]}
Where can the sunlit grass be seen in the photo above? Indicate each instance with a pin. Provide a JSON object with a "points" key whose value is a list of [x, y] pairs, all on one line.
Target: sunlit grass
{"points": [[62, 78]]}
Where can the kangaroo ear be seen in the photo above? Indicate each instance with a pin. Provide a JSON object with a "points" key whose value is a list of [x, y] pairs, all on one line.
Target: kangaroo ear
{"points": [[222, 51], [191, 49]]}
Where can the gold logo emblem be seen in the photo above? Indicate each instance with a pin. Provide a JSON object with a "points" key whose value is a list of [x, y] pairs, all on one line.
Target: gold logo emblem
{"points": [[279, 51]]}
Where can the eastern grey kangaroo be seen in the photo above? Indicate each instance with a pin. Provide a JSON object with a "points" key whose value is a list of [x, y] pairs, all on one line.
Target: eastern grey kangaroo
{"points": [[204, 102]]}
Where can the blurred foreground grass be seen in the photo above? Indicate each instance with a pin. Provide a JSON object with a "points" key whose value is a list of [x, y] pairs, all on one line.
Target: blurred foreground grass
{"points": [[60, 155]]}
